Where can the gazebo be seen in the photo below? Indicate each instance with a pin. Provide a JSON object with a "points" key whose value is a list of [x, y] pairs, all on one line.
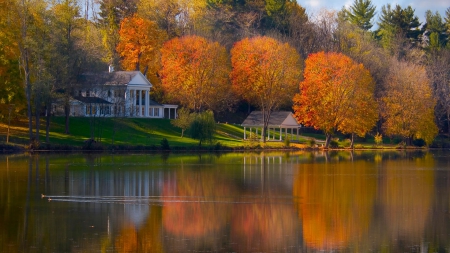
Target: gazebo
{"points": [[279, 121]]}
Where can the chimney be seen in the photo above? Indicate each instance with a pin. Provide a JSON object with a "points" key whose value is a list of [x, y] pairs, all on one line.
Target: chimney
{"points": [[111, 68]]}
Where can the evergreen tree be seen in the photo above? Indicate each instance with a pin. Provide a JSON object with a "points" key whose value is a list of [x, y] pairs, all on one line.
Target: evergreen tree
{"points": [[398, 27], [435, 30], [361, 14]]}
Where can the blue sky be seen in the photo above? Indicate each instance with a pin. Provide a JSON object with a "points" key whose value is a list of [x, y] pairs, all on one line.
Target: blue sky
{"points": [[420, 6]]}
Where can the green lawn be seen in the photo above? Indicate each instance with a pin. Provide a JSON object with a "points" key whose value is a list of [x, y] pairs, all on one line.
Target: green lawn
{"points": [[129, 132]]}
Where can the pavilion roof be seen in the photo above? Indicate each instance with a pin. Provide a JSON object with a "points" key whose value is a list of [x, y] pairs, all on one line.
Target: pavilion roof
{"points": [[279, 119]]}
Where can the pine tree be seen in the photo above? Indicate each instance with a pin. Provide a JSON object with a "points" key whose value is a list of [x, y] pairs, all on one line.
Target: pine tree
{"points": [[361, 14]]}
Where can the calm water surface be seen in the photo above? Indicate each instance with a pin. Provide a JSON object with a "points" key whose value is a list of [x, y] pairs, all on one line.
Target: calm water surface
{"points": [[235, 202]]}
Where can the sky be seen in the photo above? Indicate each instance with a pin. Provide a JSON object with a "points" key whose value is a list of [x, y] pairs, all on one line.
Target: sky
{"points": [[420, 6]]}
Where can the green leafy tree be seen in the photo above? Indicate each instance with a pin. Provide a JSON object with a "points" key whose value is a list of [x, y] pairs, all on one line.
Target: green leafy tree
{"points": [[361, 13], [203, 127], [183, 120], [397, 27]]}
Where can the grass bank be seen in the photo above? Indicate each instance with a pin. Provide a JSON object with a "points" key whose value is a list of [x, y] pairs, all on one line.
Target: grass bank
{"points": [[125, 133], [148, 134]]}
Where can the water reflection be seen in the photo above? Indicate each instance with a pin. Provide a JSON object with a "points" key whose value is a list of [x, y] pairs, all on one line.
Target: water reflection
{"points": [[335, 202], [266, 202], [406, 196]]}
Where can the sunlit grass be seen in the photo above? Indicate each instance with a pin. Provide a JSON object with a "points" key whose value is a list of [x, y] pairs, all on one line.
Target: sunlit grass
{"points": [[134, 132]]}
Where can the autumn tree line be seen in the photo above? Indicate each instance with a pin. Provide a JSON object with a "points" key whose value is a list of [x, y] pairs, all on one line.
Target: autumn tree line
{"points": [[354, 71]]}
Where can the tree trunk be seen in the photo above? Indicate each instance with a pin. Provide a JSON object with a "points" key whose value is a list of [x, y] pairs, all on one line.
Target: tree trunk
{"points": [[327, 140], [352, 141], [9, 122], [67, 114], [28, 95], [266, 117], [448, 123], [47, 122], [37, 112]]}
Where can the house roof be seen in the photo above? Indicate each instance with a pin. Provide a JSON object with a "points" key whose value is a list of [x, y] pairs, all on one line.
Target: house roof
{"points": [[284, 119], [92, 100], [115, 78]]}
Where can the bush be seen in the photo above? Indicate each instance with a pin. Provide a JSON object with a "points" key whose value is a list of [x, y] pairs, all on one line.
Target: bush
{"points": [[378, 139], [419, 143], [203, 127], [218, 146], [91, 144], [252, 141], [165, 144], [347, 142], [359, 146], [312, 142], [334, 144], [287, 142]]}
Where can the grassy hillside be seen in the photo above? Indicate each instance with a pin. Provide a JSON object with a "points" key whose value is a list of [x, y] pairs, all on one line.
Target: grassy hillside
{"points": [[121, 131]]}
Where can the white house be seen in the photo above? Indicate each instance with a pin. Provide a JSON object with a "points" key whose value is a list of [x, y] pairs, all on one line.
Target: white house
{"points": [[117, 94]]}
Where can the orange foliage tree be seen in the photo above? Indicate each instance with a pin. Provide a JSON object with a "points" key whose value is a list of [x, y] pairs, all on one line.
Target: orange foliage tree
{"points": [[195, 73], [337, 94], [139, 43], [408, 103], [265, 73]]}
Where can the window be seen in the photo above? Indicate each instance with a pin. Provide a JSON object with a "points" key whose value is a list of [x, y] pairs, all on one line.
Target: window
{"points": [[109, 93], [151, 111], [156, 112]]}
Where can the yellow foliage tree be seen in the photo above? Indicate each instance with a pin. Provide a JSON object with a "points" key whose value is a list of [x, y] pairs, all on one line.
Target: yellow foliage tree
{"points": [[408, 103]]}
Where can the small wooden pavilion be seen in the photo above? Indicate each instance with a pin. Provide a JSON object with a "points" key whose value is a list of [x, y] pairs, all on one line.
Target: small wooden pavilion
{"points": [[279, 122]]}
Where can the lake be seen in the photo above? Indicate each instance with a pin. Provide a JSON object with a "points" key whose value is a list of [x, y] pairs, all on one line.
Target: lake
{"points": [[342, 201]]}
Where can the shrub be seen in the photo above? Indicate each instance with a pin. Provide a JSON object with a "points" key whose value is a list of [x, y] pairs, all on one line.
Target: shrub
{"points": [[334, 144], [203, 127], [165, 144], [419, 142], [378, 139], [218, 146], [312, 142], [359, 146], [287, 142]]}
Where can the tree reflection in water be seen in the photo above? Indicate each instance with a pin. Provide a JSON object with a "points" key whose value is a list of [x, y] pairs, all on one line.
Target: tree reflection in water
{"points": [[196, 210], [407, 197], [335, 202]]}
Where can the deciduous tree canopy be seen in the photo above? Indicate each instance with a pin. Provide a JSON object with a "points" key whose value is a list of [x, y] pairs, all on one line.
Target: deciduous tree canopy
{"points": [[195, 73], [265, 73], [408, 103], [336, 94]]}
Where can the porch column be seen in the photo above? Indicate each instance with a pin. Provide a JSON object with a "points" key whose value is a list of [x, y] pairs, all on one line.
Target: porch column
{"points": [[140, 103], [133, 104], [297, 134], [147, 102], [245, 135], [281, 133], [268, 133]]}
